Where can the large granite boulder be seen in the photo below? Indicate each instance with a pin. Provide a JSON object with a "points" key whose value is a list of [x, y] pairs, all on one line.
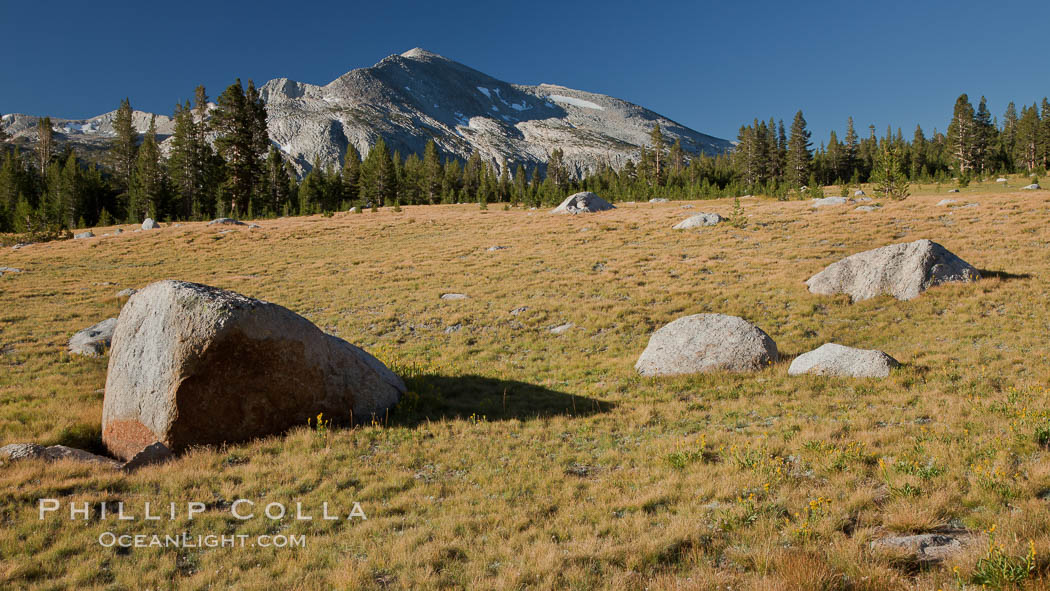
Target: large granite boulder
{"points": [[705, 343], [196, 365], [93, 340], [699, 220], [901, 270], [150, 224], [831, 359], [585, 202]]}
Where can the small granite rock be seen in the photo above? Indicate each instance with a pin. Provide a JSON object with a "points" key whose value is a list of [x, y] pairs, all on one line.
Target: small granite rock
{"points": [[699, 220], [836, 360], [944, 202], [83, 235], [94, 340], [658, 200], [562, 328], [454, 296], [926, 548], [859, 193], [1031, 187], [150, 224], [126, 293], [867, 208], [226, 222], [829, 201], [953, 190], [32, 451], [517, 311]]}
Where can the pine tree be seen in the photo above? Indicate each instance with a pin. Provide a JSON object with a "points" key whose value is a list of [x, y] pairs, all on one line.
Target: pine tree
{"points": [[239, 121], [782, 150], [275, 198], [962, 136], [351, 175], [182, 163], [311, 190], [658, 148], [520, 185], [64, 192], [1009, 132], [1026, 150], [503, 187], [123, 147], [888, 173], [146, 196], [378, 180], [984, 138], [676, 157], [834, 159], [799, 155], [849, 150], [747, 160], [1044, 133], [556, 170], [45, 143], [918, 153], [432, 172], [209, 165]]}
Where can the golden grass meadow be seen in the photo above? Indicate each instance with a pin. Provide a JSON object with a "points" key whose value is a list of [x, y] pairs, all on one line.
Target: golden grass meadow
{"points": [[523, 459]]}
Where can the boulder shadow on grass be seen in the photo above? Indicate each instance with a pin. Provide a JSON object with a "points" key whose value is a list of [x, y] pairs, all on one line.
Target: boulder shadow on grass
{"points": [[437, 397], [83, 436], [1002, 275]]}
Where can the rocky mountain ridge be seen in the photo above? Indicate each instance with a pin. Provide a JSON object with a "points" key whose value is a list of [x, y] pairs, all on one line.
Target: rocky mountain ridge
{"points": [[416, 96]]}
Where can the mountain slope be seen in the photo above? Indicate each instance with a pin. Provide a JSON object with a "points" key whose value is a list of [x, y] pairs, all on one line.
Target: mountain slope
{"points": [[411, 98], [418, 95]]}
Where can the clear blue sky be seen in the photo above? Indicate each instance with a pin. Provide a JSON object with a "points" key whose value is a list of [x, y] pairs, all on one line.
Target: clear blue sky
{"points": [[708, 65]]}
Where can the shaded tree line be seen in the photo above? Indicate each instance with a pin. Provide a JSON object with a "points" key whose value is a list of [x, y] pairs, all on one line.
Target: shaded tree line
{"points": [[222, 162]]}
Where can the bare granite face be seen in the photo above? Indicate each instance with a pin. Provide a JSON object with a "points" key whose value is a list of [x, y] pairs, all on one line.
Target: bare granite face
{"points": [[705, 343], [901, 270], [196, 365]]}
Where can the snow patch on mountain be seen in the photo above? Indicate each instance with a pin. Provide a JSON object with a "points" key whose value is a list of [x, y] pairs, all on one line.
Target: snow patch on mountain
{"points": [[576, 102]]}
